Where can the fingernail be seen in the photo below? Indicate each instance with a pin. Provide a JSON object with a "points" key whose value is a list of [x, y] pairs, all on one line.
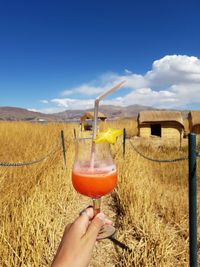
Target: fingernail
{"points": [[109, 222], [101, 216]]}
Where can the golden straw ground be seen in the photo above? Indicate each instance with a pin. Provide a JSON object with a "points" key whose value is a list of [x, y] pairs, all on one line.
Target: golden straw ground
{"points": [[37, 201]]}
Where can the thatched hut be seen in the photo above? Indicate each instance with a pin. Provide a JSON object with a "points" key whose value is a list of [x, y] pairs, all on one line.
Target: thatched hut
{"points": [[194, 121], [87, 118], [160, 123]]}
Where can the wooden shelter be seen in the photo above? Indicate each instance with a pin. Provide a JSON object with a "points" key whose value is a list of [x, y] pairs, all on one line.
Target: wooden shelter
{"points": [[160, 123], [194, 121], [87, 118]]}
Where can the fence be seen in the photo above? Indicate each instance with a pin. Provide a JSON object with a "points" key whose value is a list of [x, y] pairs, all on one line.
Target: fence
{"points": [[50, 153], [192, 190], [192, 155]]}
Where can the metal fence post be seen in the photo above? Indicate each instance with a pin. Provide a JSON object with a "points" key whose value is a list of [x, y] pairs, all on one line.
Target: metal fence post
{"points": [[124, 142], [63, 146], [192, 200]]}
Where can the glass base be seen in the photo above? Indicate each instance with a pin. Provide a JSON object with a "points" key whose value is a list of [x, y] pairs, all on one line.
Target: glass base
{"points": [[106, 231]]}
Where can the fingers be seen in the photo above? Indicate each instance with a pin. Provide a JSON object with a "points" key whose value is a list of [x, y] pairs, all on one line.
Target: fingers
{"points": [[108, 222], [95, 227], [88, 212], [67, 228], [82, 222], [86, 225]]}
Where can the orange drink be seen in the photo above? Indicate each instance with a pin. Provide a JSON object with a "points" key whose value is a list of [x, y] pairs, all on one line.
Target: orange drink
{"points": [[94, 182], [94, 174]]}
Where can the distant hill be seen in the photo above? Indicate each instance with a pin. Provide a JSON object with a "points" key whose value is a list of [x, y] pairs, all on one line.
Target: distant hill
{"points": [[21, 114], [112, 112]]}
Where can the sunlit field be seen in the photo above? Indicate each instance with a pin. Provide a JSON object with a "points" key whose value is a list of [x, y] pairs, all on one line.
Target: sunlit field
{"points": [[37, 201]]}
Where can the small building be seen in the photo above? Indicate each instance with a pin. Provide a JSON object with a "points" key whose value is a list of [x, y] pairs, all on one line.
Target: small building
{"points": [[194, 121], [87, 118], [166, 124]]}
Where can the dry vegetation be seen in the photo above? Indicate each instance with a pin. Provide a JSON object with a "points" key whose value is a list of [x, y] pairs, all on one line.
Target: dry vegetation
{"points": [[37, 201]]}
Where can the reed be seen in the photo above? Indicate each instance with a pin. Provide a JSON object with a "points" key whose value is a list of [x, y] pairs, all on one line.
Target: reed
{"points": [[37, 201]]}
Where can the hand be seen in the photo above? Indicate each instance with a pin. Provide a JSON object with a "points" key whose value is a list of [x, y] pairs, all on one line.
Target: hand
{"points": [[75, 249]]}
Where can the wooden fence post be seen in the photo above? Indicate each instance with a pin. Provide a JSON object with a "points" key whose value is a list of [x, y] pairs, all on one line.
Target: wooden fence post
{"points": [[74, 133], [181, 133]]}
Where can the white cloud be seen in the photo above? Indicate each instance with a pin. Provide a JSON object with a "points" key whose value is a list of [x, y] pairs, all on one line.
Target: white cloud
{"points": [[69, 103], [173, 82], [135, 81], [186, 93], [149, 97], [67, 92], [174, 69], [106, 81], [127, 71], [53, 109], [88, 89], [85, 89], [44, 101]]}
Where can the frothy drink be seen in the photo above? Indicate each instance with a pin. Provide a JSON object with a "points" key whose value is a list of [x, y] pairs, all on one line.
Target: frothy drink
{"points": [[94, 182]]}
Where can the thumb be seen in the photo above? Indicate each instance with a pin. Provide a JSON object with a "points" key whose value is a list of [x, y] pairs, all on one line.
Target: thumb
{"points": [[95, 226]]}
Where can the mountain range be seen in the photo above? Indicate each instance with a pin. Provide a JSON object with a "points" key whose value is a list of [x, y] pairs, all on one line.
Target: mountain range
{"points": [[112, 112]]}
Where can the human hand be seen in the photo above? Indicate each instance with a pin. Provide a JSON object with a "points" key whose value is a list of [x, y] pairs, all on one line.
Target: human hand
{"points": [[75, 249]]}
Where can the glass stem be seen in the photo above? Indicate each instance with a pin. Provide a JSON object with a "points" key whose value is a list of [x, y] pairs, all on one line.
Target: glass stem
{"points": [[96, 205]]}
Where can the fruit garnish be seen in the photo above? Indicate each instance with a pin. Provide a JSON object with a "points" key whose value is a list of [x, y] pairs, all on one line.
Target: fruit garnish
{"points": [[108, 136]]}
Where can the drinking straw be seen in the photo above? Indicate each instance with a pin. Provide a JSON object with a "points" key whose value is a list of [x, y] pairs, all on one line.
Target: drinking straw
{"points": [[96, 105], [96, 109]]}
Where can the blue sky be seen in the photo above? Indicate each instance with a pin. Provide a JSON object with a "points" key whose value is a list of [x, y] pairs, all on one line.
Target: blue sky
{"points": [[57, 55]]}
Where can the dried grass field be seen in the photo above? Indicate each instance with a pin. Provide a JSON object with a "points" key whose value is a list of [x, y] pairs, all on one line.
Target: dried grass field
{"points": [[149, 206]]}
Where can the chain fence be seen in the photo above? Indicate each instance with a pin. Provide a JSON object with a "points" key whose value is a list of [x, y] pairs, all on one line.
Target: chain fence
{"points": [[157, 160], [17, 164], [53, 149], [161, 160]]}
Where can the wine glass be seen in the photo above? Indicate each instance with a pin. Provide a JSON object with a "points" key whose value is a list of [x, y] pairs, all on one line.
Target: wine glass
{"points": [[94, 174]]}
